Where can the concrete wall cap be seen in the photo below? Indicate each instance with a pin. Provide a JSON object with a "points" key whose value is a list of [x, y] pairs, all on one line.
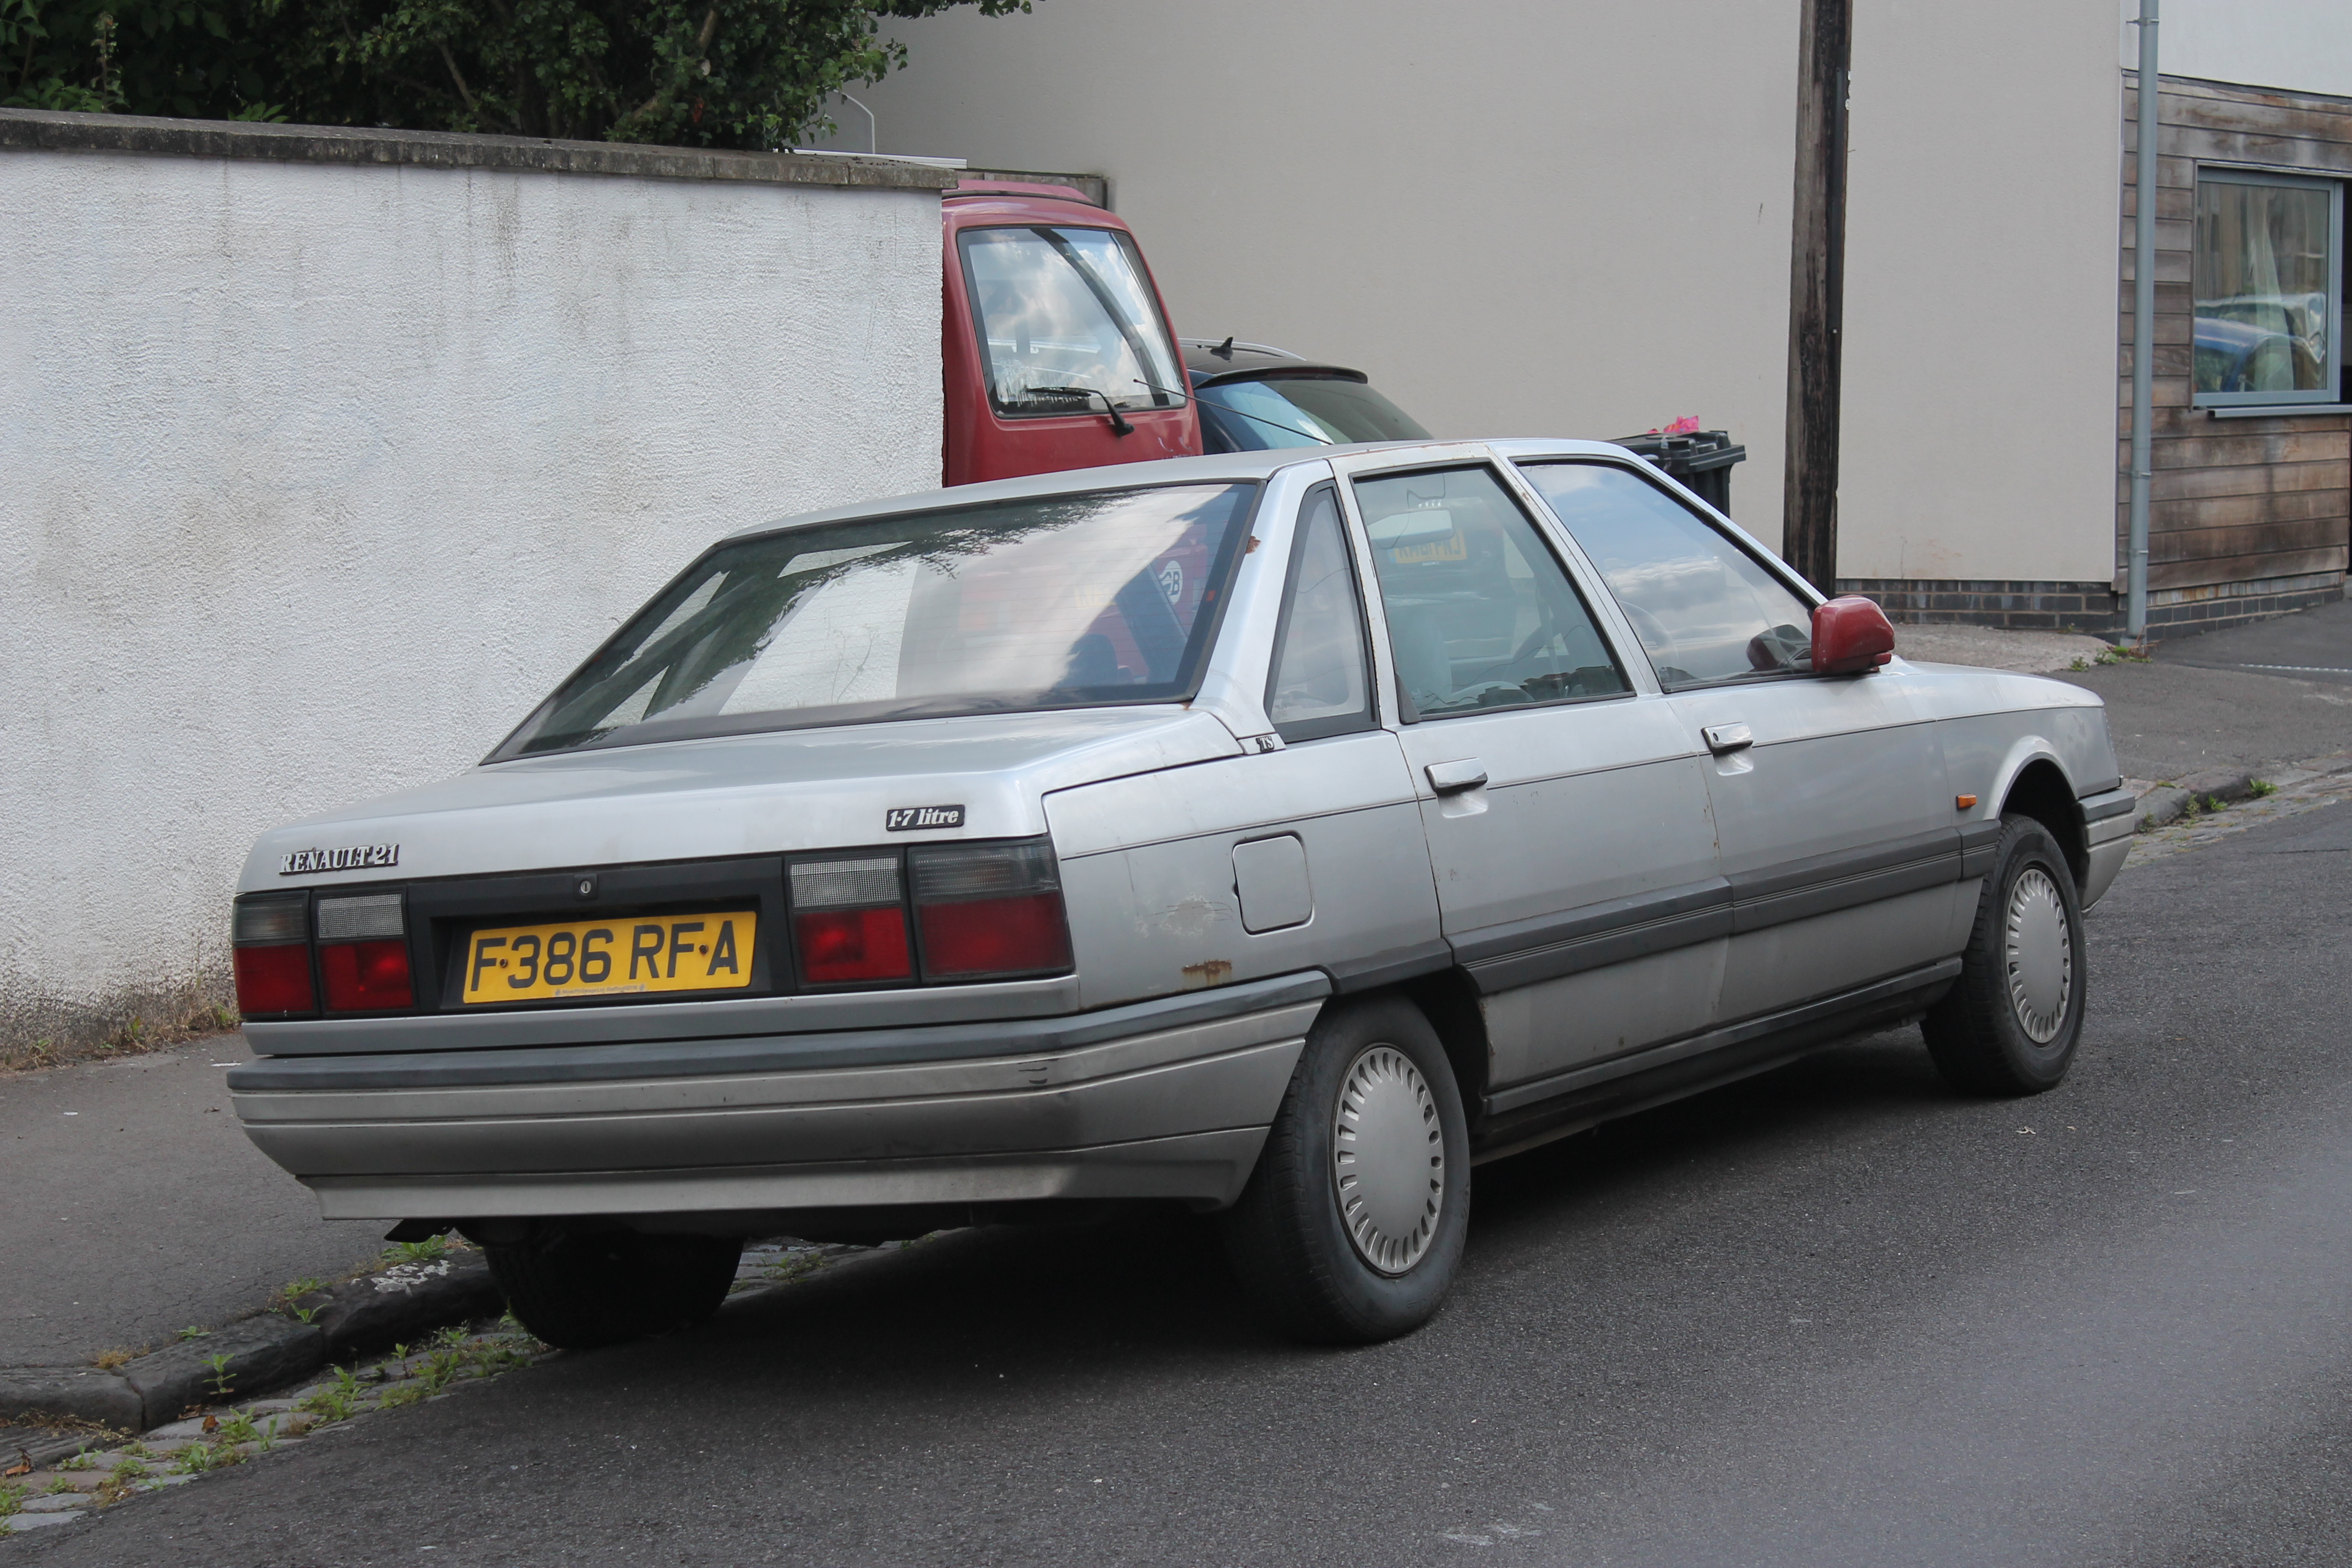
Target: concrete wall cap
{"points": [[36, 129]]}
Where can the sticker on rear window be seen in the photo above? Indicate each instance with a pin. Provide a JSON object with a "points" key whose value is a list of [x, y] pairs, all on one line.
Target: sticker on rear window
{"points": [[907, 818]]}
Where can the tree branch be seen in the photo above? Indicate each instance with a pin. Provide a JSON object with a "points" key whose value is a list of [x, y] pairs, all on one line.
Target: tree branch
{"points": [[459, 77]]}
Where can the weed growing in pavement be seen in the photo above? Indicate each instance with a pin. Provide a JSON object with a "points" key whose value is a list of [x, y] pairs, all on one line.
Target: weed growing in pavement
{"points": [[2119, 655], [58, 1484], [295, 1290], [407, 1394], [796, 1265], [432, 1249], [197, 1457], [12, 1497], [219, 1364], [82, 1461], [2260, 788], [336, 1404], [239, 1428], [107, 1361], [193, 1333], [39, 1054]]}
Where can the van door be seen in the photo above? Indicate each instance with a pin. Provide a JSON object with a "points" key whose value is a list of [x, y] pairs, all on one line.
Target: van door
{"points": [[1838, 835], [1566, 813]]}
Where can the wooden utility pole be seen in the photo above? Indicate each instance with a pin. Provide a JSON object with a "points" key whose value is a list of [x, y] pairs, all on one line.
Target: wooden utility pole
{"points": [[1817, 293]]}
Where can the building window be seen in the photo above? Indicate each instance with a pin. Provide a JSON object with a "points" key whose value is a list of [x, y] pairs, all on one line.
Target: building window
{"points": [[2269, 287]]}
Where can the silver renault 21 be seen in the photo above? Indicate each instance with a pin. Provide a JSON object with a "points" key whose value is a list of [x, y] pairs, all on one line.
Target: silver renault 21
{"points": [[1277, 835]]}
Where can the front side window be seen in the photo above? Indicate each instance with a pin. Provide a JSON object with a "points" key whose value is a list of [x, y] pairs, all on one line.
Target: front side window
{"points": [[1065, 314], [1053, 602], [1704, 609], [1320, 685], [2267, 277], [1480, 614]]}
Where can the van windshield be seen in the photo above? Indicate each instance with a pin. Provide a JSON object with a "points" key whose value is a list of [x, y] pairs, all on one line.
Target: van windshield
{"points": [[1068, 318], [1063, 601]]}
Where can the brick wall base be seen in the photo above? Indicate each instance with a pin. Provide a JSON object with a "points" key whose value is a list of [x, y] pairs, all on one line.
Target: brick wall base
{"points": [[2092, 607]]}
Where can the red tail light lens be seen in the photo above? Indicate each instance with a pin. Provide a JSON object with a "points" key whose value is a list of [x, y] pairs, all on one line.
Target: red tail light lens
{"points": [[990, 912], [849, 922], [365, 977], [271, 936], [273, 980], [364, 954]]}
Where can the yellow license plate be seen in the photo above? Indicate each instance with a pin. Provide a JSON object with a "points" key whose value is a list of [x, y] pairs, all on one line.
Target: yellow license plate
{"points": [[1454, 548], [612, 957]]}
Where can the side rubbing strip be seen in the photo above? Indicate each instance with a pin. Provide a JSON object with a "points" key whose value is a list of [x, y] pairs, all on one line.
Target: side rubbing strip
{"points": [[1502, 958]]}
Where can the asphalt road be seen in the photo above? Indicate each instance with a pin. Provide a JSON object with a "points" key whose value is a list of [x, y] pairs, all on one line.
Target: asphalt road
{"points": [[1836, 1315]]}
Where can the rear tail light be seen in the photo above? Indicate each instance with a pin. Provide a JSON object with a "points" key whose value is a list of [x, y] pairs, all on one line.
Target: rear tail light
{"points": [[364, 954], [271, 938], [990, 910], [849, 922]]}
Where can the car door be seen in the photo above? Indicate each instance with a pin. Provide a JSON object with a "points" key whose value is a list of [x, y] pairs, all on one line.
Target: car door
{"points": [[1566, 812], [1838, 835]]}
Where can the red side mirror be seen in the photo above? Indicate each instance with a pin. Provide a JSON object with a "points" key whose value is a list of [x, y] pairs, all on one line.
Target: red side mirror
{"points": [[1850, 635]]}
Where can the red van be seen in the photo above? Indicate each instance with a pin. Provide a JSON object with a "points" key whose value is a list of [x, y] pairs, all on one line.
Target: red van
{"points": [[1057, 345]]}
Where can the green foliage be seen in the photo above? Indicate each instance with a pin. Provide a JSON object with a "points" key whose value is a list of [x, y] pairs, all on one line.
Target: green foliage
{"points": [[704, 73]]}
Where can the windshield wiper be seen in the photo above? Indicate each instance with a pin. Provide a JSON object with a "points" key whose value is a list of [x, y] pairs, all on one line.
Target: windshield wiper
{"points": [[1118, 423]]}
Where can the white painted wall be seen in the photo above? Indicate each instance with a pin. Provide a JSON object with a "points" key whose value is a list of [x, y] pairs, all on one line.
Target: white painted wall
{"points": [[1520, 217], [314, 479], [2301, 46], [1980, 398]]}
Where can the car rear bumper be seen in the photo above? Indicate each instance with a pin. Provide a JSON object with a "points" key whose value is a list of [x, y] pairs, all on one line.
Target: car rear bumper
{"points": [[1165, 1099]]}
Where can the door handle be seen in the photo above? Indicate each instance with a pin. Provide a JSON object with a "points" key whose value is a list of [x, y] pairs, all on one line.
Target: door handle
{"points": [[1453, 778], [1726, 737]]}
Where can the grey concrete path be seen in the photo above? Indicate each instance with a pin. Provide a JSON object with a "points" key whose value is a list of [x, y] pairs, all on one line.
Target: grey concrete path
{"points": [[135, 1207], [2221, 700]]}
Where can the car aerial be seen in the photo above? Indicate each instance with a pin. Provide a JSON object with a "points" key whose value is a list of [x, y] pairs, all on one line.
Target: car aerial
{"points": [[1254, 398], [1275, 835]]}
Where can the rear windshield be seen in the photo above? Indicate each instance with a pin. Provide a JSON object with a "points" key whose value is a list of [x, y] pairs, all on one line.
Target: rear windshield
{"points": [[1299, 411], [1055, 602]]}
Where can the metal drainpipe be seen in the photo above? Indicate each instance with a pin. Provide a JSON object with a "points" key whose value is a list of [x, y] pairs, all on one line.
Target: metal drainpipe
{"points": [[2142, 325]]}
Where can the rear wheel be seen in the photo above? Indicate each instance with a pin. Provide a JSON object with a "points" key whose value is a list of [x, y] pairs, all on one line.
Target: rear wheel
{"points": [[1352, 1228], [2010, 1023], [578, 1292]]}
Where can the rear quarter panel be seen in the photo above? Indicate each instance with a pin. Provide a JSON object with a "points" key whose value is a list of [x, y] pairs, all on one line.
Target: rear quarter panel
{"points": [[1148, 867]]}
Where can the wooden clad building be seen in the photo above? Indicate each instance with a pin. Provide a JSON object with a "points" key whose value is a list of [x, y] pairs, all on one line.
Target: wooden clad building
{"points": [[2251, 506]]}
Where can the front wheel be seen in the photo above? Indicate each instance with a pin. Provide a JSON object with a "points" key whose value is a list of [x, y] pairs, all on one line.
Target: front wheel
{"points": [[577, 1292], [2010, 1023], [1350, 1229]]}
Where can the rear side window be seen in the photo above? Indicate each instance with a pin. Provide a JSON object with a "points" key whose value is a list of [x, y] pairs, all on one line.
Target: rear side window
{"points": [[1704, 609], [1318, 686], [1480, 614]]}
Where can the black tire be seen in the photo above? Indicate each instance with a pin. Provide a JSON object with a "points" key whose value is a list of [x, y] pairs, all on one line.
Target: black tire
{"points": [[2007, 1026], [1293, 1247], [578, 1292]]}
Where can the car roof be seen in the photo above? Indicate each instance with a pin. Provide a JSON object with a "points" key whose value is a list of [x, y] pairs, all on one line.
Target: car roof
{"points": [[1233, 468], [1211, 362]]}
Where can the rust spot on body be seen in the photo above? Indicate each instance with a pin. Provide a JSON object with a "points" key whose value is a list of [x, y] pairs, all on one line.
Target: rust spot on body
{"points": [[1208, 972]]}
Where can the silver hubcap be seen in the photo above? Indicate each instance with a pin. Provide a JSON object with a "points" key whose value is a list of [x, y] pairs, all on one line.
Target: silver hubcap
{"points": [[2041, 954], [1388, 1159]]}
